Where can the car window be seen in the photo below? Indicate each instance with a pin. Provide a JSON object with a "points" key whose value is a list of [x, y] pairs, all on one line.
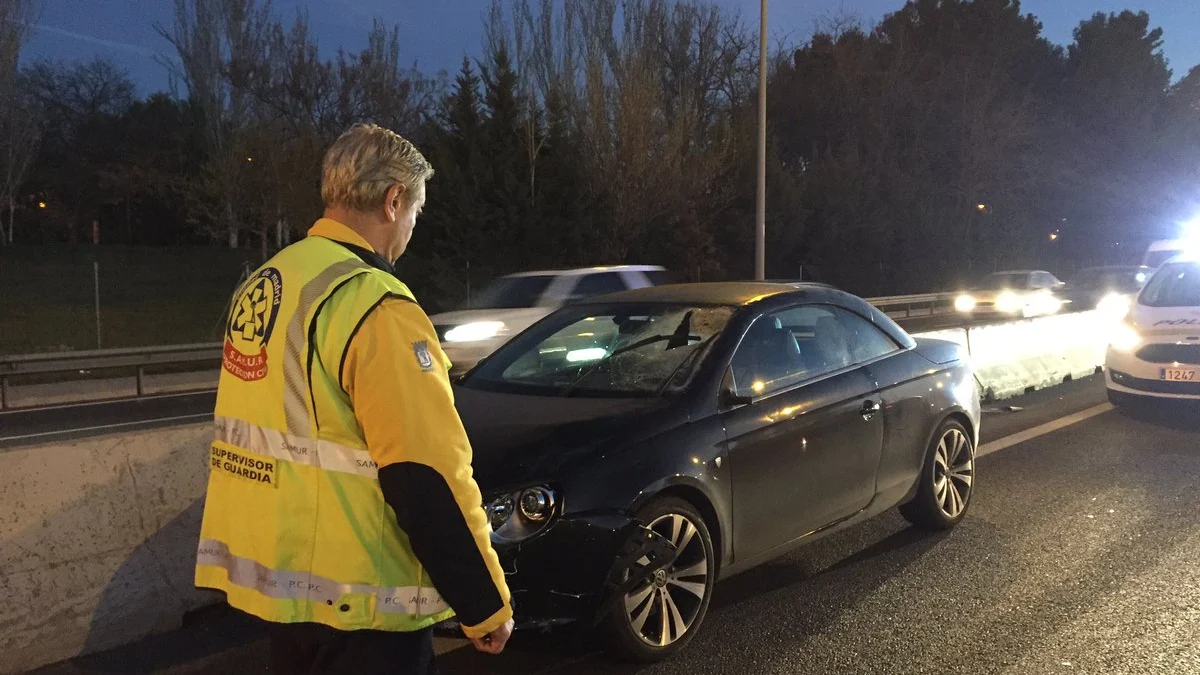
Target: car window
{"points": [[867, 341], [658, 277], [598, 284], [1005, 280], [1174, 285], [616, 350], [798, 344], [512, 293]]}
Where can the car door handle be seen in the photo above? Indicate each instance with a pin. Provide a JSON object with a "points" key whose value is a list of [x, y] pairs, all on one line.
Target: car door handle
{"points": [[869, 408]]}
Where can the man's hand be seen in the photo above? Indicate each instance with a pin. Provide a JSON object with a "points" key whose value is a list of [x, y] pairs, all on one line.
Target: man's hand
{"points": [[493, 642]]}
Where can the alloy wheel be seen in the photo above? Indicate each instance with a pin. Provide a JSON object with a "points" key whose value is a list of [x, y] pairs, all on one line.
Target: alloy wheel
{"points": [[664, 608], [953, 472]]}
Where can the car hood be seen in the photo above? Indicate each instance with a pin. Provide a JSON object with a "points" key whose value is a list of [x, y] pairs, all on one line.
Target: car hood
{"points": [[522, 440], [1181, 322]]}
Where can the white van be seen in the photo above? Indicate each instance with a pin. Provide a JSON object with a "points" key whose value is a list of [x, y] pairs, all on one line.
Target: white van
{"points": [[1161, 251]]}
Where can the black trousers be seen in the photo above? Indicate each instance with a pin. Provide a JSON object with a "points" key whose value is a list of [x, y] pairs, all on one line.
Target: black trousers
{"points": [[312, 649]]}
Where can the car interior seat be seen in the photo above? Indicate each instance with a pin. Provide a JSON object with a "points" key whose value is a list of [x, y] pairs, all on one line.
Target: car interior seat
{"points": [[768, 353]]}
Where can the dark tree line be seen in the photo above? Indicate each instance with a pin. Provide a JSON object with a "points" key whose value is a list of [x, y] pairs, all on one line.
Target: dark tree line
{"points": [[950, 139]]}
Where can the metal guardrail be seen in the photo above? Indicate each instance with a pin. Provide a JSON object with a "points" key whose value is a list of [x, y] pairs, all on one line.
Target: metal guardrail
{"points": [[139, 358], [908, 306], [136, 358]]}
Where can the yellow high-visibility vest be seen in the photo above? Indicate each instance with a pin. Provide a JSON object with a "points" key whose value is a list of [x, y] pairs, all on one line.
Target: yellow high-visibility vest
{"points": [[295, 526]]}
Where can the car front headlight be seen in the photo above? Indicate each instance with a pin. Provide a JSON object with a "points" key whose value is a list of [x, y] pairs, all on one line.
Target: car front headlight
{"points": [[1009, 302], [965, 303], [1114, 305], [519, 515], [1125, 338], [475, 332]]}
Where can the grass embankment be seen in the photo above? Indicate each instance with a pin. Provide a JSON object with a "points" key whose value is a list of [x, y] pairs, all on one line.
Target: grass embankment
{"points": [[148, 296]]}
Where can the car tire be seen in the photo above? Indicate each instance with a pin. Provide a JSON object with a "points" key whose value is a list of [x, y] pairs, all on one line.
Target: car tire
{"points": [[677, 597], [947, 481]]}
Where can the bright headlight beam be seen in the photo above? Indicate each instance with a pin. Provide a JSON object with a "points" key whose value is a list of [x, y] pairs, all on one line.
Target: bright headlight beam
{"points": [[1125, 338], [965, 303], [585, 355], [1114, 305], [1009, 302], [475, 332]]}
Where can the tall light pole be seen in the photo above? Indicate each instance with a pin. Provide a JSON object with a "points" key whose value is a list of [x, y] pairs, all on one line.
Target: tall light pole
{"points": [[760, 218]]}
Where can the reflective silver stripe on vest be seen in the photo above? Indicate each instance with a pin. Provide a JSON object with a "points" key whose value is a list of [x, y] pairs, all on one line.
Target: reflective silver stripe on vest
{"points": [[316, 452], [247, 573], [295, 390]]}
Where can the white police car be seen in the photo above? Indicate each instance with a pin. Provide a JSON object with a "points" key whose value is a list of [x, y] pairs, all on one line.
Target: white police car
{"points": [[1155, 351]]}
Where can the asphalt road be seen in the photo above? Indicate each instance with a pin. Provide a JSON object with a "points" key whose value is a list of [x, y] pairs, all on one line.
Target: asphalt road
{"points": [[64, 422], [1078, 555]]}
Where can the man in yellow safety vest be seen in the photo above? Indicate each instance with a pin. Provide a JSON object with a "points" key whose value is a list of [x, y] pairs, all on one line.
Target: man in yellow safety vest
{"points": [[341, 506]]}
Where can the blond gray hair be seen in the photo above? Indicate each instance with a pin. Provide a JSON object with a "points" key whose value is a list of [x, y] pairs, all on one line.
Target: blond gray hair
{"points": [[363, 164]]}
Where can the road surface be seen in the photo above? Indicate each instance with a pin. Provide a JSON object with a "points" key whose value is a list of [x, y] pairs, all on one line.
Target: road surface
{"points": [[1078, 555]]}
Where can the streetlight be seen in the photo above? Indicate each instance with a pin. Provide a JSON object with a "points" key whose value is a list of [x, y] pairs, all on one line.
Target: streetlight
{"points": [[760, 218]]}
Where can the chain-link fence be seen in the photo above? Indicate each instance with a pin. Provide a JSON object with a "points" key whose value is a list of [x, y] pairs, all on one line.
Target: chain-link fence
{"points": [[62, 298]]}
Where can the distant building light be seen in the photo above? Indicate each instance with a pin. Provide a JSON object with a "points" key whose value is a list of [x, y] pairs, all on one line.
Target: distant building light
{"points": [[41, 205]]}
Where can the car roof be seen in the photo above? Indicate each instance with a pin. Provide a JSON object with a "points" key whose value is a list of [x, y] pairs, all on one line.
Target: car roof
{"points": [[731, 293], [1114, 268], [588, 270]]}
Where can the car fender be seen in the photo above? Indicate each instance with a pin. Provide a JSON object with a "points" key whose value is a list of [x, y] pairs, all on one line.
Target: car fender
{"points": [[700, 492]]}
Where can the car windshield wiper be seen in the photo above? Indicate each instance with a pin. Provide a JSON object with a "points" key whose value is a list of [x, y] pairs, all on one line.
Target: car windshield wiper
{"points": [[680, 338], [687, 360]]}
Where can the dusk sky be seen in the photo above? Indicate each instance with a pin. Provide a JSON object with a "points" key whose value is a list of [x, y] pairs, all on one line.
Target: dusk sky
{"points": [[436, 34]]}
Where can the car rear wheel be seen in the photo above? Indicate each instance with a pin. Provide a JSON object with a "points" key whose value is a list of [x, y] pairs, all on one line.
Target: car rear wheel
{"points": [[947, 480], [659, 616]]}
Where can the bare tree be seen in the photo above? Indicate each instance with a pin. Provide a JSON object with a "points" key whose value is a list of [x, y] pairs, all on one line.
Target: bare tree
{"points": [[220, 46], [19, 135], [18, 129]]}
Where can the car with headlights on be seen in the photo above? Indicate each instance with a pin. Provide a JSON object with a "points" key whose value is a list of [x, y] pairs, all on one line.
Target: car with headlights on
{"points": [[1016, 294], [1154, 353], [512, 303], [635, 448], [1108, 289]]}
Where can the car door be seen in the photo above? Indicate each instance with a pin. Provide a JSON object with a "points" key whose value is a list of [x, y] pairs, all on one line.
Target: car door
{"points": [[802, 427]]}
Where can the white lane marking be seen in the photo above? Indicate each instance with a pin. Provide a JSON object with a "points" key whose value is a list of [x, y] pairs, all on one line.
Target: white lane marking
{"points": [[1042, 429], [104, 427]]}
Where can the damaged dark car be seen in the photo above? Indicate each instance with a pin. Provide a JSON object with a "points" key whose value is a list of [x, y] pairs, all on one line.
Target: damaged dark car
{"points": [[637, 448]]}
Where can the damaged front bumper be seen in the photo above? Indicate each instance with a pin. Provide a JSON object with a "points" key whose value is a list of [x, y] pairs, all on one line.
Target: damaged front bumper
{"points": [[579, 566]]}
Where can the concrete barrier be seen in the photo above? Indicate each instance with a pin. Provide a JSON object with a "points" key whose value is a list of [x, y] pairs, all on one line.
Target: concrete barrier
{"points": [[1012, 358], [98, 536], [97, 542]]}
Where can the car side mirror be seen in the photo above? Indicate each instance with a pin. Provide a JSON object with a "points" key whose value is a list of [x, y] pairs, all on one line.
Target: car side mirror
{"points": [[729, 398], [732, 399]]}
